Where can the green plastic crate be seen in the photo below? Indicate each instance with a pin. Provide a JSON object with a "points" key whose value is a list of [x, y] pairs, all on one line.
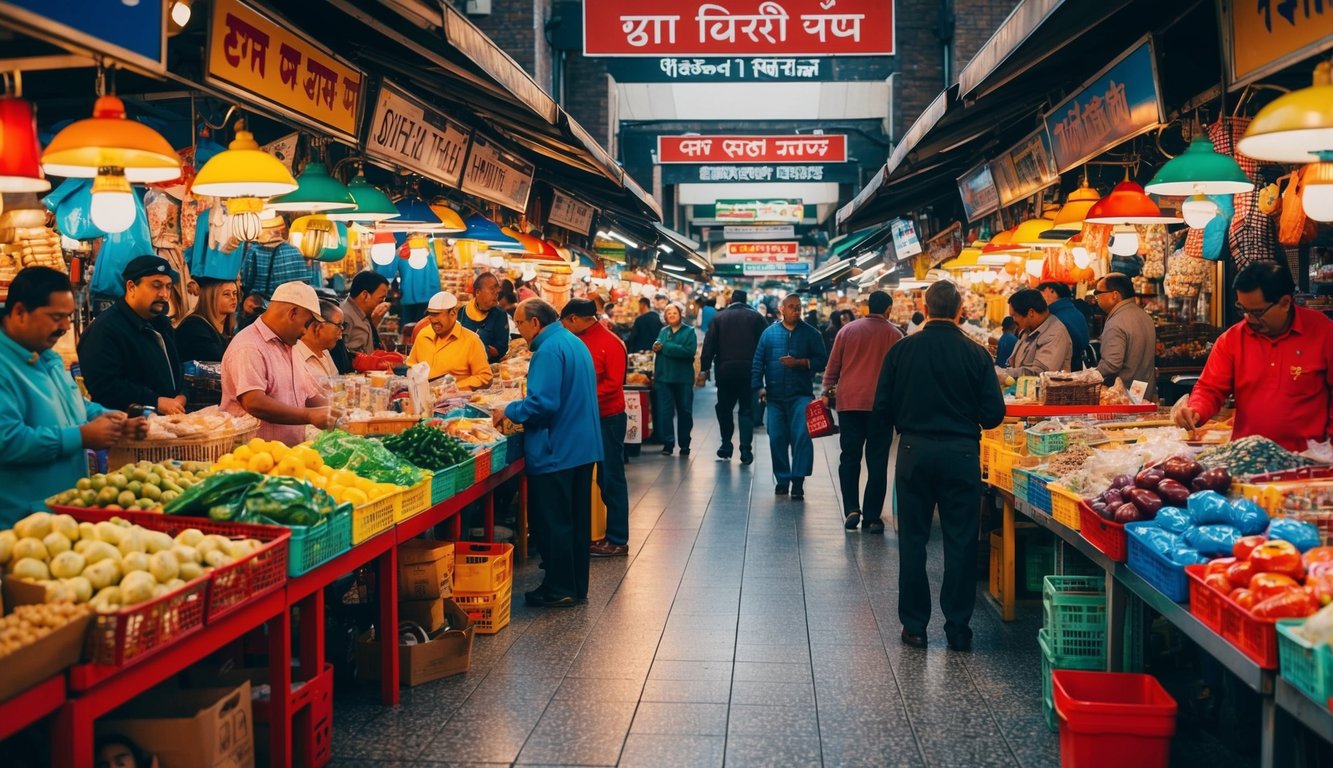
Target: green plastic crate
{"points": [[442, 486], [1305, 665], [1074, 611], [465, 474], [312, 546]]}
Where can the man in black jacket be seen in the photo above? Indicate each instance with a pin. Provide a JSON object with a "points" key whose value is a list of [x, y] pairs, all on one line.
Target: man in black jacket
{"points": [[732, 337], [128, 354], [647, 325]]}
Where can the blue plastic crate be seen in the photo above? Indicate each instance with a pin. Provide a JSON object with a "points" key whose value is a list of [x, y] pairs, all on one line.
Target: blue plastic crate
{"points": [[1156, 569], [1038, 495]]}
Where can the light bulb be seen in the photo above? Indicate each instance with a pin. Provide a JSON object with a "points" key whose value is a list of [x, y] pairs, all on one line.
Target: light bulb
{"points": [[382, 253], [1034, 267], [316, 237], [1317, 200], [416, 258], [1198, 211], [1081, 256], [1125, 243], [113, 207], [180, 13], [246, 223]]}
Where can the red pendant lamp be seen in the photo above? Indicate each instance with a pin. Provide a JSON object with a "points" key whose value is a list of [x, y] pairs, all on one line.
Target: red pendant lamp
{"points": [[20, 154], [1127, 204]]}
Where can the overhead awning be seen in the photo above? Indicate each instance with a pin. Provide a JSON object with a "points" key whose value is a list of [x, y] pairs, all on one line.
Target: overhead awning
{"points": [[831, 272], [672, 243]]}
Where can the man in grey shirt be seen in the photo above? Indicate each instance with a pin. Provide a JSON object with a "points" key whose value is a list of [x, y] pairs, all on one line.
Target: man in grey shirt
{"points": [[1043, 342], [1129, 338], [362, 310]]}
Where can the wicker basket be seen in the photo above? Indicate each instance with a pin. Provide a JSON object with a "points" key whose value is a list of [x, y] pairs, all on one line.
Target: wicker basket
{"points": [[209, 448], [1060, 392]]}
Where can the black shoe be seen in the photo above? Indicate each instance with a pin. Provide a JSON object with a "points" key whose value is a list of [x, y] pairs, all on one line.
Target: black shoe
{"points": [[852, 520], [747, 457], [873, 526], [540, 599], [916, 641], [797, 490], [684, 451], [667, 451], [960, 644], [780, 490], [724, 453]]}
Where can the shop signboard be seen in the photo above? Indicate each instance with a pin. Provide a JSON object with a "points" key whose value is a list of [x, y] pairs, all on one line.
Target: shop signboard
{"points": [[135, 33], [738, 27], [834, 173], [775, 265], [735, 252], [407, 133], [743, 69], [769, 232], [977, 188], [905, 242], [944, 246], [1026, 169], [495, 174], [759, 211], [1117, 104], [1264, 37], [571, 213], [831, 148], [255, 57]]}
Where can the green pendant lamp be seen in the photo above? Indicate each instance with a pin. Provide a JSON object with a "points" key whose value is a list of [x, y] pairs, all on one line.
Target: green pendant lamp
{"points": [[371, 203], [316, 192], [1200, 170]]}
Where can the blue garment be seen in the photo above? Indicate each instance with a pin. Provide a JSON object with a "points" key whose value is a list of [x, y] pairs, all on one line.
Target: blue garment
{"points": [[1077, 325], [789, 441], [41, 410], [782, 383], [265, 267], [561, 425], [416, 285], [706, 317], [206, 261], [1005, 348]]}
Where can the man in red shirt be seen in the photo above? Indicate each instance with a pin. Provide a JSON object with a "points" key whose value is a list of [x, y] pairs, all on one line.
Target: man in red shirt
{"points": [[1278, 362], [609, 360], [850, 378]]}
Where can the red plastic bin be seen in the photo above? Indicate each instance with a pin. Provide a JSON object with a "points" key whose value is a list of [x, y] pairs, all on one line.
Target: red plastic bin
{"points": [[1106, 535], [1112, 719], [1255, 637]]}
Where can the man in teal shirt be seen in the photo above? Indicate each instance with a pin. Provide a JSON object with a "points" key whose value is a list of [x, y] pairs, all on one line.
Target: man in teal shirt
{"points": [[45, 424]]}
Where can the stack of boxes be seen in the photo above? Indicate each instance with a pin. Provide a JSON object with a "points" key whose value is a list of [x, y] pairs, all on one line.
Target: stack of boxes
{"points": [[1074, 631]]}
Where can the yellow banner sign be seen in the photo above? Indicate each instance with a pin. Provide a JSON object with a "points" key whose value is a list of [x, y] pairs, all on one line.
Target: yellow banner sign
{"points": [[1267, 36], [256, 57]]}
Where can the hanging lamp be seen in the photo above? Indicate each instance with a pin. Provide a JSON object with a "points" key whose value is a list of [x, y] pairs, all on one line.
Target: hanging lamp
{"points": [[371, 203], [1295, 127], [318, 237], [245, 220], [1200, 170], [413, 216], [1028, 233], [1127, 204], [485, 231], [316, 192], [109, 139], [382, 248], [449, 218], [20, 153], [1317, 197], [243, 170]]}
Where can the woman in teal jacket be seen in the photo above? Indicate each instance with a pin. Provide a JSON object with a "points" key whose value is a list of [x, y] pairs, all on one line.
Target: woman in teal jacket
{"points": [[673, 378]]}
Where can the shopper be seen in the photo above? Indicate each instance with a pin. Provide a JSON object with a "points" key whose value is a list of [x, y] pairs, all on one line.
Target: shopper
{"points": [[1129, 337], [729, 345], [261, 376], [849, 382], [363, 309], [707, 310], [128, 355], [1060, 301], [1043, 343], [45, 424], [914, 325], [938, 391], [609, 362], [204, 333], [485, 317], [788, 355], [251, 308], [1277, 362], [317, 342], [646, 327], [450, 348], [673, 378], [1008, 340], [562, 441]]}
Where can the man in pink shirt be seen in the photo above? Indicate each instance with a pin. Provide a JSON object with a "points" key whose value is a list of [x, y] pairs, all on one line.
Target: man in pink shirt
{"points": [[262, 377], [850, 379]]}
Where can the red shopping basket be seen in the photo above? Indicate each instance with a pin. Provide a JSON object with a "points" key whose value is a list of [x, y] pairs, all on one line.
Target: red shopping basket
{"points": [[1112, 719], [819, 419]]}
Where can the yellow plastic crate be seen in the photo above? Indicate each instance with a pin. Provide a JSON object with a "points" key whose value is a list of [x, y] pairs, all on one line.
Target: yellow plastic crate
{"points": [[374, 517], [413, 501], [1064, 506], [990, 450], [1001, 473], [489, 611]]}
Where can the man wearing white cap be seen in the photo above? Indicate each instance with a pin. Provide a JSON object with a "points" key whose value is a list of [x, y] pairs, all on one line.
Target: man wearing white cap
{"points": [[262, 377], [450, 348]]}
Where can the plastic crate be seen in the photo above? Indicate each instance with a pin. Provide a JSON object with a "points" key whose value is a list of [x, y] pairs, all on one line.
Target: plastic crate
{"points": [[499, 455], [1038, 563], [1047, 667], [1064, 506], [1305, 665], [442, 486], [1038, 494], [482, 461], [374, 517], [1046, 443], [989, 450], [1074, 613], [116, 639], [1113, 719], [209, 448], [1002, 472], [488, 611], [995, 434], [1165, 576], [482, 567], [413, 501], [1256, 638], [1206, 603], [312, 546], [1107, 536], [1020, 483], [465, 474]]}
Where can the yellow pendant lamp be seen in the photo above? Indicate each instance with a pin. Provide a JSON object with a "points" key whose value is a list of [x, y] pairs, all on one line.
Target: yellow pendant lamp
{"points": [[243, 170], [109, 139]]}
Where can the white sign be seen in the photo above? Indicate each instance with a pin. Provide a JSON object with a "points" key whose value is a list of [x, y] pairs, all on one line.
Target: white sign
{"points": [[284, 149], [409, 134], [905, 242], [633, 418], [570, 213], [775, 232], [493, 174]]}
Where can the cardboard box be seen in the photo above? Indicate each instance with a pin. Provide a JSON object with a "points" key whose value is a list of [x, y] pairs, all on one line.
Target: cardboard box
{"points": [[184, 728], [448, 653], [428, 613], [425, 569], [45, 658]]}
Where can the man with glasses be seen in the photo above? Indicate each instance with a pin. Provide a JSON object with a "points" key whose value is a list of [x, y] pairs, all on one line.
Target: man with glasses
{"points": [[128, 355], [1129, 338], [1278, 362], [316, 344], [262, 377], [448, 347]]}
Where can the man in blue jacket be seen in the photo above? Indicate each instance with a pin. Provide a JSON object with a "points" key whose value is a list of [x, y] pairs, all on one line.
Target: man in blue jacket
{"points": [[785, 362], [562, 440], [1058, 299]]}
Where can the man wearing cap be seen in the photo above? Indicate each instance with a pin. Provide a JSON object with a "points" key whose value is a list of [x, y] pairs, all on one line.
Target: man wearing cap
{"points": [[450, 348], [262, 377], [484, 316], [609, 360], [128, 355]]}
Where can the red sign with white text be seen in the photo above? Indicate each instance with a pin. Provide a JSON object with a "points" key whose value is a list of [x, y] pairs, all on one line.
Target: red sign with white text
{"points": [[738, 28], [778, 251], [752, 149]]}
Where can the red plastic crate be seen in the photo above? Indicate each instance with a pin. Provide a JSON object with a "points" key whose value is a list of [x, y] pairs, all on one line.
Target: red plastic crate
{"points": [[1106, 535], [483, 466], [116, 639], [1206, 603], [1112, 719], [1256, 638]]}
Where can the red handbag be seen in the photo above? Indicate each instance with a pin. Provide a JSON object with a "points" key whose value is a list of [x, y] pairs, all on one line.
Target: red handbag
{"points": [[819, 419]]}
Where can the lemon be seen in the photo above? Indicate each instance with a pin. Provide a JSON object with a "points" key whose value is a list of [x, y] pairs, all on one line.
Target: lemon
{"points": [[243, 453], [356, 496], [256, 444], [327, 471], [315, 478], [279, 451], [308, 456], [289, 466], [344, 478], [261, 462]]}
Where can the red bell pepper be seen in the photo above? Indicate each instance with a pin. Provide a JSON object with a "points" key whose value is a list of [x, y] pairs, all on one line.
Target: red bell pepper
{"points": [[1219, 582], [1219, 565], [1245, 545], [1320, 584], [1239, 573], [1278, 556], [1291, 604], [1244, 598], [1317, 555], [1266, 585]]}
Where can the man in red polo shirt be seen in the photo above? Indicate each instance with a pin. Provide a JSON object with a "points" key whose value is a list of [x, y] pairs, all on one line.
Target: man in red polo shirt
{"points": [[1278, 362], [610, 361]]}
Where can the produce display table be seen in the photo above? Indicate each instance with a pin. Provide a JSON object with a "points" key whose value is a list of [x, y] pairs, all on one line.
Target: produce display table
{"points": [[32, 705], [1035, 411]]}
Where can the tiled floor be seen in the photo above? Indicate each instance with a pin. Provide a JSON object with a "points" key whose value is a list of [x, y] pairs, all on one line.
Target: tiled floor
{"points": [[743, 630]]}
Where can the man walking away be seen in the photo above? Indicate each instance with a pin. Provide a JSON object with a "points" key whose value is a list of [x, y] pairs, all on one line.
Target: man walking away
{"points": [[849, 381], [733, 335], [938, 389], [788, 355]]}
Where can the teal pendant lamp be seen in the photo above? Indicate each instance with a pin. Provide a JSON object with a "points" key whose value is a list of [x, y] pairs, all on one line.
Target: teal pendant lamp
{"points": [[1200, 170], [316, 192], [371, 204]]}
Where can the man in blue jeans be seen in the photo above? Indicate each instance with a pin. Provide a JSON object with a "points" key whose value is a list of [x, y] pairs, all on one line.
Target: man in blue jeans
{"points": [[785, 362]]}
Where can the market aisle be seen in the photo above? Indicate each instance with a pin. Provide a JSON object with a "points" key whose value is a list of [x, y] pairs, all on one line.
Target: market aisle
{"points": [[741, 628]]}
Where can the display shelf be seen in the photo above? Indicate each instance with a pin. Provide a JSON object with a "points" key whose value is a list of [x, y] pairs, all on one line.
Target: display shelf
{"points": [[1307, 711], [1024, 411], [32, 705]]}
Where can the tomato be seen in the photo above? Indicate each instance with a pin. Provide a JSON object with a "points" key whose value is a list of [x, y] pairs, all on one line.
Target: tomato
{"points": [[1219, 565], [1218, 581], [1244, 598], [1291, 604], [1278, 556], [1239, 573], [1245, 545], [1317, 555], [1320, 584], [1266, 585]]}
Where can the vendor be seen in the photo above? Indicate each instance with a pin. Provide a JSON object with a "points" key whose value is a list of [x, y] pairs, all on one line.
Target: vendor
{"points": [[363, 309], [128, 354], [484, 316], [1043, 342], [261, 376], [450, 348], [45, 424], [1278, 362], [320, 337], [1129, 338]]}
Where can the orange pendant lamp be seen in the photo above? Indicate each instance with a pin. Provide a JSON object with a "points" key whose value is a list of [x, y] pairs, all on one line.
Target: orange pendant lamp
{"points": [[109, 139]]}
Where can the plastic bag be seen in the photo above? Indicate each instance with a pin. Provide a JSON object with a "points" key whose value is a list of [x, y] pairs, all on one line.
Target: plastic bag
{"points": [[1173, 519], [1299, 533], [372, 460], [1187, 556], [1157, 539], [1208, 508], [1320, 452], [1212, 540], [72, 203], [288, 501], [1249, 518]]}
